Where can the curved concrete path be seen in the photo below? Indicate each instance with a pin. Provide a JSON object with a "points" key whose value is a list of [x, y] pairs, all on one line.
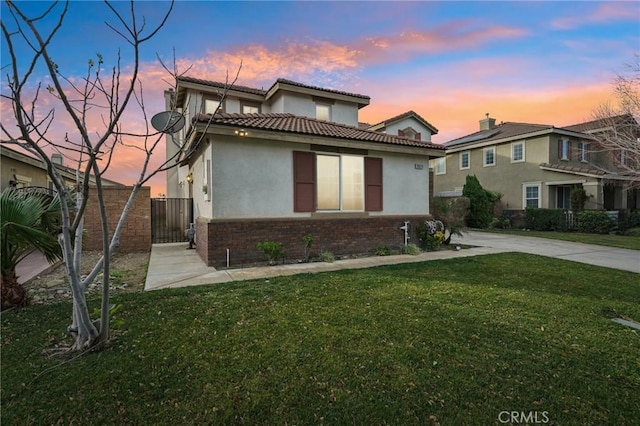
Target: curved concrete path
{"points": [[610, 257]]}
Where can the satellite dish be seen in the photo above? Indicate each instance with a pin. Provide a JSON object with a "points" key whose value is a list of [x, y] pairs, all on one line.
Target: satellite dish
{"points": [[168, 121]]}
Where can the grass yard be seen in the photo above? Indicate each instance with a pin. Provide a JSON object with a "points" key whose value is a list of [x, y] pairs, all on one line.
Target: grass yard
{"points": [[619, 241], [453, 342]]}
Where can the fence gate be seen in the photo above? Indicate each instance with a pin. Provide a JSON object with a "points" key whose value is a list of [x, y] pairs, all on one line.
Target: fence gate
{"points": [[170, 218]]}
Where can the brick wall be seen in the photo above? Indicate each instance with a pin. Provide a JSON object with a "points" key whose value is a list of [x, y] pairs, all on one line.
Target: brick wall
{"points": [[341, 236], [136, 235]]}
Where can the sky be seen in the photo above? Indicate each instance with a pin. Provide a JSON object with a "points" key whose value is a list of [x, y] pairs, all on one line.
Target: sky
{"points": [[545, 62]]}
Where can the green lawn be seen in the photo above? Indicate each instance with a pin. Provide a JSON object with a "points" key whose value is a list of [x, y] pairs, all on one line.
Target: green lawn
{"points": [[451, 342], [620, 241]]}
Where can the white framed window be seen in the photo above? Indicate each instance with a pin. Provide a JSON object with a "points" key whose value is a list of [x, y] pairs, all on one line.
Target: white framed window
{"points": [[465, 160], [441, 166], [340, 182], [531, 195], [210, 106], [323, 112], [564, 152], [584, 152], [517, 152], [489, 156]]}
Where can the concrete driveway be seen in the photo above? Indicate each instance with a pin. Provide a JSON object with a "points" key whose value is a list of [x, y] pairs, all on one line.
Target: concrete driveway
{"points": [[610, 257]]}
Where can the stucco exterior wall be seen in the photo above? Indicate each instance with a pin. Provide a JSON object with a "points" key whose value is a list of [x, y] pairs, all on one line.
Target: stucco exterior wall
{"points": [[299, 104], [405, 186], [425, 134], [36, 176]]}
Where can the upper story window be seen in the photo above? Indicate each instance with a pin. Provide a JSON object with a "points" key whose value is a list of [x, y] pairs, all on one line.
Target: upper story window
{"points": [[489, 156], [441, 166], [564, 150], [517, 152], [211, 105], [465, 160], [250, 109], [584, 152], [323, 112]]}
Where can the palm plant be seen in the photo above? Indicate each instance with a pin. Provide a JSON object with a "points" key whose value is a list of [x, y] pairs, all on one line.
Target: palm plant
{"points": [[28, 221]]}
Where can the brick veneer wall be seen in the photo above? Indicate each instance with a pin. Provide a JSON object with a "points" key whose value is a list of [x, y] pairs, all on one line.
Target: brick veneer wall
{"points": [[341, 236], [136, 235]]}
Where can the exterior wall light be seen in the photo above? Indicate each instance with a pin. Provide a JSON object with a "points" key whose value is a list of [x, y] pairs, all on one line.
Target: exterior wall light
{"points": [[190, 178], [241, 132]]}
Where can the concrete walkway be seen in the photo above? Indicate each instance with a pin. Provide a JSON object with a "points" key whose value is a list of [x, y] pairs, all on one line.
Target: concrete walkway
{"points": [[172, 265], [610, 257]]}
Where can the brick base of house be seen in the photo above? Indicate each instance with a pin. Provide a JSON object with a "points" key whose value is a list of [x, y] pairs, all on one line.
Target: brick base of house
{"points": [[341, 236]]}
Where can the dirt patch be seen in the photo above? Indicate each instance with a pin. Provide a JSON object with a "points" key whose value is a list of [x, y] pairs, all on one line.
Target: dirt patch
{"points": [[128, 272]]}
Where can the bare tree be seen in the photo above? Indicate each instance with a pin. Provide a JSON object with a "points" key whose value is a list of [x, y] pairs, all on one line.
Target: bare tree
{"points": [[102, 94], [617, 127]]}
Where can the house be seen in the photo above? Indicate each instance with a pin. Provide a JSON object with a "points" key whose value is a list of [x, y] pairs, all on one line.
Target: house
{"points": [[536, 165], [292, 160], [19, 169]]}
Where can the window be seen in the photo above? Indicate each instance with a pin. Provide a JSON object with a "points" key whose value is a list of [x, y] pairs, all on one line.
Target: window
{"points": [[584, 152], [441, 166], [531, 195], [336, 182], [517, 152], [323, 112], [211, 105], [564, 150], [623, 158], [465, 160], [489, 156], [250, 109]]}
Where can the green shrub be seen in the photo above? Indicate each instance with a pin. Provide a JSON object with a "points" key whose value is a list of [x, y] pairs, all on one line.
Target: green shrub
{"points": [[480, 203], [411, 249], [308, 240], [327, 256], [546, 219], [594, 222], [579, 198], [272, 250], [631, 220], [633, 232], [383, 251]]}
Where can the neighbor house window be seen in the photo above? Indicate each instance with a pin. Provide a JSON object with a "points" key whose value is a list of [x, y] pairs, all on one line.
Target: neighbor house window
{"points": [[323, 112], [336, 182], [564, 150], [489, 156], [584, 152], [465, 158], [531, 195], [563, 197], [250, 109], [441, 166], [623, 158], [517, 152]]}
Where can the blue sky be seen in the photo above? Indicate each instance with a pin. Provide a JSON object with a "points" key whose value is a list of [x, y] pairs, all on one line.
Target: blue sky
{"points": [[451, 62]]}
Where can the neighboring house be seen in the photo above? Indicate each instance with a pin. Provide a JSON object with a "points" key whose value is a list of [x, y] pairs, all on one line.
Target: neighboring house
{"points": [[278, 164], [19, 170], [535, 165], [408, 124]]}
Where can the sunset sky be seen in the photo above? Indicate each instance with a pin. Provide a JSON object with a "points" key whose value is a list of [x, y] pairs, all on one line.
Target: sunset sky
{"points": [[538, 62]]}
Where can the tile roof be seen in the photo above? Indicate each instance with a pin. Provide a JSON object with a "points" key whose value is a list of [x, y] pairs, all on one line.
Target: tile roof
{"points": [[602, 123], [289, 123], [405, 115], [295, 83], [501, 131], [570, 169], [219, 85]]}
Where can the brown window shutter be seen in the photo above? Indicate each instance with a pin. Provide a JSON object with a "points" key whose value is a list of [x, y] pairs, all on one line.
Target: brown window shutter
{"points": [[418, 137], [569, 149], [559, 149], [373, 184], [304, 181], [400, 133]]}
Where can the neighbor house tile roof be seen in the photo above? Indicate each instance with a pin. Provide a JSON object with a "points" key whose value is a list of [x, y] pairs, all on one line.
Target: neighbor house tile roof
{"points": [[501, 131], [602, 123], [289, 123], [406, 115], [575, 170]]}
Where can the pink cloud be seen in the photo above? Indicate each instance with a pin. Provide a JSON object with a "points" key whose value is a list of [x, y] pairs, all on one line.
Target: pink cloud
{"points": [[606, 12]]}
